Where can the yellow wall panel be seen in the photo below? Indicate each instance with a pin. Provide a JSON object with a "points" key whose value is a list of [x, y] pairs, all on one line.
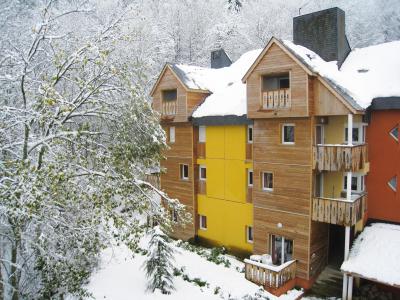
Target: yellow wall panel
{"points": [[235, 180], [215, 142], [235, 142], [226, 222], [215, 178], [333, 184]]}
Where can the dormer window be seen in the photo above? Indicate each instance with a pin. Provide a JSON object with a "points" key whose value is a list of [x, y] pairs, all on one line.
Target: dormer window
{"points": [[276, 91], [169, 98]]}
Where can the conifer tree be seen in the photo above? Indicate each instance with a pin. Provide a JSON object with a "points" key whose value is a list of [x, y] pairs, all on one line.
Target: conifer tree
{"points": [[159, 264]]}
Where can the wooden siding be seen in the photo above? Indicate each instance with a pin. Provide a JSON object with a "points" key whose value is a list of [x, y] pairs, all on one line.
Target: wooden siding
{"points": [[168, 82], [249, 151], [319, 247], [193, 100], [180, 152], [294, 227], [277, 61], [326, 103]]}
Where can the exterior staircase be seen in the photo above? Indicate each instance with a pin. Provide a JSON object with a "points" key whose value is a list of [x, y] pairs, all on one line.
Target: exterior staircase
{"points": [[328, 284]]}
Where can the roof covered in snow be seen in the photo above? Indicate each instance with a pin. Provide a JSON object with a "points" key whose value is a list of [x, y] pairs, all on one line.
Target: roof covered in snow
{"points": [[228, 93], [375, 254], [366, 74]]}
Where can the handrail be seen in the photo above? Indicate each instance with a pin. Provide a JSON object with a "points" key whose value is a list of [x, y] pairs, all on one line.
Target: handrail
{"points": [[270, 267]]}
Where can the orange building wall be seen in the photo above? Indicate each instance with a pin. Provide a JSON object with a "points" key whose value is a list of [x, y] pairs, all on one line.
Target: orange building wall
{"points": [[384, 158]]}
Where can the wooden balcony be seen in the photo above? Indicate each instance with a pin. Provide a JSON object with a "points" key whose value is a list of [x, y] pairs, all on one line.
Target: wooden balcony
{"points": [[269, 276], [339, 211], [339, 157], [169, 108], [202, 187], [276, 99]]}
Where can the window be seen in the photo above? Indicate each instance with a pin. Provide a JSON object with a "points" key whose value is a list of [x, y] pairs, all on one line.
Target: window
{"points": [[174, 215], [359, 133], [250, 134], [395, 133], [357, 183], [281, 249], [169, 95], [250, 177], [393, 183], [202, 134], [267, 181], [184, 172], [249, 234], [203, 173], [203, 222], [288, 134], [276, 91], [172, 134]]}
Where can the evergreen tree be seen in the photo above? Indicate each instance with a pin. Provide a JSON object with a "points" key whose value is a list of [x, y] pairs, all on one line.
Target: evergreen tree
{"points": [[159, 264]]}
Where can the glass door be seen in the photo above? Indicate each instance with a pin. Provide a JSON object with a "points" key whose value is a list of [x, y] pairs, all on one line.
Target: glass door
{"points": [[319, 134], [281, 249]]}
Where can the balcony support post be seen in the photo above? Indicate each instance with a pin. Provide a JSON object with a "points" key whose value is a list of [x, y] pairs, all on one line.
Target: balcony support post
{"points": [[350, 129], [350, 289]]}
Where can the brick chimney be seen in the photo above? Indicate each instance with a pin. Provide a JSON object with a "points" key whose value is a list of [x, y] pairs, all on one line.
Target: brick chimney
{"points": [[219, 59], [323, 32]]}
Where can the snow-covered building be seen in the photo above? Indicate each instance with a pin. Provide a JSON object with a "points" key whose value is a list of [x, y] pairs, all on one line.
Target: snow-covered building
{"points": [[269, 153]]}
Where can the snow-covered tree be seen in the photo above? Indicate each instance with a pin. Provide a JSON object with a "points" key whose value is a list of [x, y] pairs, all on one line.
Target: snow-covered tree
{"points": [[77, 137], [159, 263]]}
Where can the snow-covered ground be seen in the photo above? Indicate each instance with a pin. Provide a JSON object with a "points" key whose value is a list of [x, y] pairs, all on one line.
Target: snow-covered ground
{"points": [[122, 277]]}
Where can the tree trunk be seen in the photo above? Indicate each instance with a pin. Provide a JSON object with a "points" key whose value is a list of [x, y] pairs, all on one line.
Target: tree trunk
{"points": [[14, 275]]}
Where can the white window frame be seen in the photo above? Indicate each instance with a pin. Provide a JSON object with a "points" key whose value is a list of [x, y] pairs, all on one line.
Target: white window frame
{"points": [[182, 171], [250, 127], [172, 134], [248, 177], [394, 188], [248, 229], [360, 182], [262, 183], [202, 134], [200, 177], [362, 133], [201, 225], [392, 135], [283, 133]]}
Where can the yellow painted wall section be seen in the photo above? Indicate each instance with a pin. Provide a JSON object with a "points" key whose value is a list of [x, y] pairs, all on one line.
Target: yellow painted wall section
{"points": [[225, 204], [333, 184], [226, 222], [334, 130]]}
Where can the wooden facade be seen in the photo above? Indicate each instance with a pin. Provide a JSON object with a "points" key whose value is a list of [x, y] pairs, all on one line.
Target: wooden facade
{"points": [[290, 208]]}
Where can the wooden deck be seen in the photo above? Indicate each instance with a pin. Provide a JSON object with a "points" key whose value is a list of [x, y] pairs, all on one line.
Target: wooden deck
{"points": [[339, 157], [270, 276], [339, 211]]}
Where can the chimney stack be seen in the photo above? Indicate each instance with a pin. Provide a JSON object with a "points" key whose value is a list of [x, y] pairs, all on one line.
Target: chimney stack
{"points": [[323, 32], [219, 59]]}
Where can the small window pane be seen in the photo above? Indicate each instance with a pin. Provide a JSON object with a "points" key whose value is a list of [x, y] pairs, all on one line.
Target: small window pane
{"points": [[184, 171], [288, 134], [172, 134], [250, 178], [170, 95], [356, 134], [395, 133], [268, 181], [393, 183], [202, 134], [203, 173], [249, 234], [250, 133], [203, 222]]}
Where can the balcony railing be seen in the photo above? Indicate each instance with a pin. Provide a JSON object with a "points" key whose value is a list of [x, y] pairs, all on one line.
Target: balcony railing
{"points": [[169, 108], [270, 276], [340, 157], [276, 99], [339, 211]]}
